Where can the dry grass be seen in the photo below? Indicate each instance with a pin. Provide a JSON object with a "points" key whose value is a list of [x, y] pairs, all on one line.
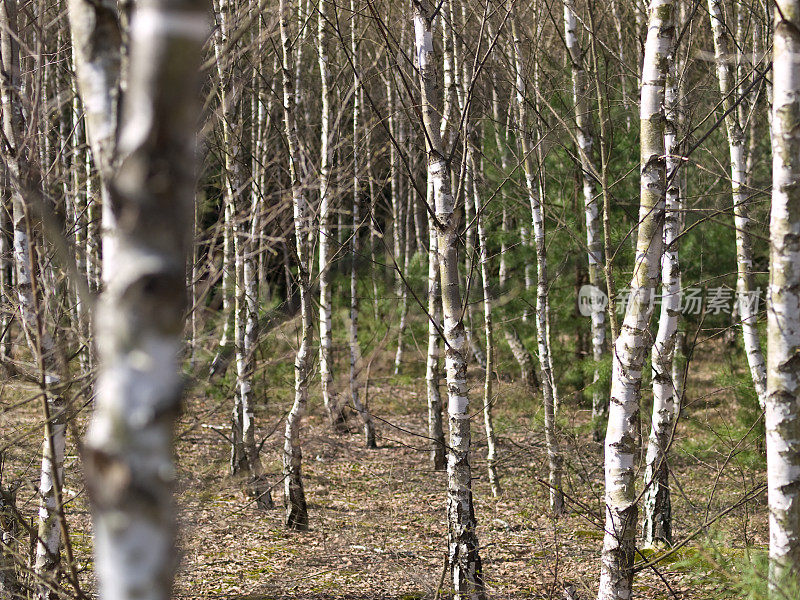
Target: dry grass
{"points": [[378, 517]]}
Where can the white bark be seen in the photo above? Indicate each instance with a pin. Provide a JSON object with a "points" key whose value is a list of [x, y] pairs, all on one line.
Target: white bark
{"points": [[24, 180], [234, 196], [373, 230], [633, 341], [519, 95], [355, 246], [488, 399], [549, 392], [232, 180], [518, 349], [219, 362], [329, 396], [657, 508], [745, 286], [79, 236], [397, 131], [406, 233], [783, 323], [433, 371], [129, 446], [246, 320], [294, 494], [469, 268], [464, 560], [594, 242], [51, 480], [450, 98], [96, 40]]}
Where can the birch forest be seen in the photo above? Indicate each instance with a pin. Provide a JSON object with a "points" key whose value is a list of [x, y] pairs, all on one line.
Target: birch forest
{"points": [[413, 300]]}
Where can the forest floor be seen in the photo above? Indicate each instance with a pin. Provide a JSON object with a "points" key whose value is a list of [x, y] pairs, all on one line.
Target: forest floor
{"points": [[378, 527]]}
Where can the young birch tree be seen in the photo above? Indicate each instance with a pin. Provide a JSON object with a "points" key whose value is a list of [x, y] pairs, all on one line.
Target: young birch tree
{"points": [[355, 246], [25, 185], [515, 344], [616, 575], [432, 371], [488, 399], [329, 396], [594, 242], [463, 555], [737, 144], [96, 39], [294, 494], [783, 323], [245, 322], [140, 319], [230, 102], [633, 341], [535, 197], [657, 517]]}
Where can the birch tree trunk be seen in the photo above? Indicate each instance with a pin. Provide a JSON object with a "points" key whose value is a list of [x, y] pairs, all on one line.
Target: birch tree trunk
{"points": [[372, 218], [244, 231], [464, 560], [518, 349], [96, 40], [745, 286], [594, 242], [329, 396], [783, 324], [82, 315], [246, 319], [462, 82], [19, 158], [406, 233], [355, 350], [233, 183], [469, 268], [129, 446], [234, 194], [519, 90], [294, 494], [219, 363], [657, 517], [549, 393], [633, 341], [433, 372], [488, 398], [397, 131]]}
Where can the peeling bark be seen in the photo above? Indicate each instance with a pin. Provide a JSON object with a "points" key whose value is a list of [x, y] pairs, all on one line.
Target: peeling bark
{"points": [[466, 572], [783, 323], [140, 318], [294, 495], [633, 341]]}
